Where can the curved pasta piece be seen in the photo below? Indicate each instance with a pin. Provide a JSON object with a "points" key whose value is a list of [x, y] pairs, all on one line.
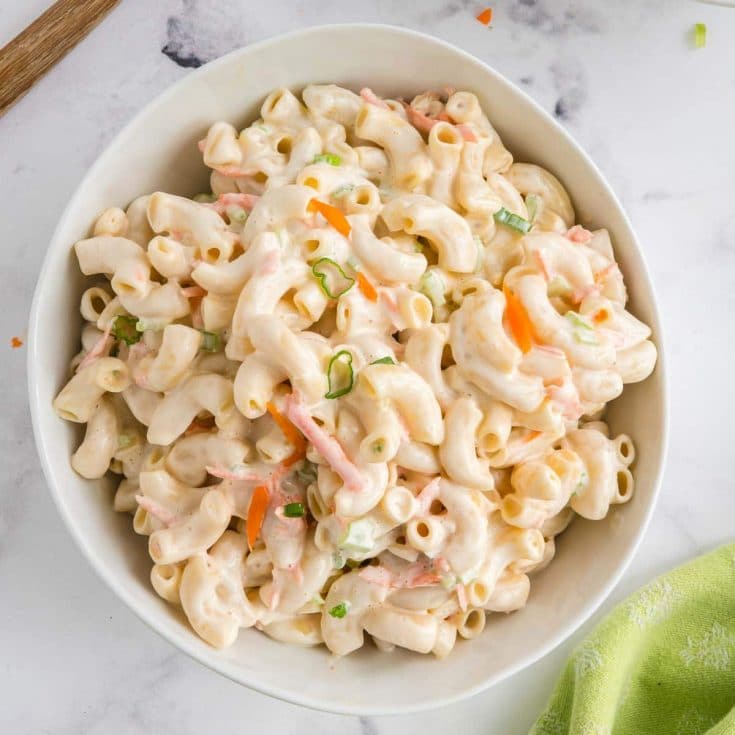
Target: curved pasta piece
{"points": [[458, 450], [382, 258], [486, 355], [212, 594], [607, 479], [204, 392], [447, 231], [93, 456], [531, 179]]}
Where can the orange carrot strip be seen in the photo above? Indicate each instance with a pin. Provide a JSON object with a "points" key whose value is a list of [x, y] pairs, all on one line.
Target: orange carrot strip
{"points": [[531, 436], [518, 321], [16, 342], [333, 215], [366, 287], [256, 513], [289, 430], [485, 17]]}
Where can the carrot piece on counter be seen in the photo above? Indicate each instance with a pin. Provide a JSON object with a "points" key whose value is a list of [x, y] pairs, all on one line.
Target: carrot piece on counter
{"points": [[485, 17]]}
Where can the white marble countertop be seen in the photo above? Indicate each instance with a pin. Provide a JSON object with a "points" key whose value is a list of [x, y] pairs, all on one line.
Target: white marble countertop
{"points": [[655, 114]]}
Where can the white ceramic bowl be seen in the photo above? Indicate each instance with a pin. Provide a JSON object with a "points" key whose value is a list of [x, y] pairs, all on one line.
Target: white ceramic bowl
{"points": [[157, 150]]}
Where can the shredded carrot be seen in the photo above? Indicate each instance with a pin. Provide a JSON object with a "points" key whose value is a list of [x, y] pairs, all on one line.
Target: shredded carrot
{"points": [[485, 17], [518, 321], [16, 342], [292, 434], [333, 215], [256, 513], [600, 316], [366, 287], [531, 436]]}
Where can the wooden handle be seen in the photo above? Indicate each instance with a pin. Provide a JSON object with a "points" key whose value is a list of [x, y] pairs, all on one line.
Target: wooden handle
{"points": [[49, 38]]}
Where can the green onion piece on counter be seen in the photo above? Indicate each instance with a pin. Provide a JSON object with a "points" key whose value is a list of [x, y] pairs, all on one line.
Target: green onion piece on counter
{"points": [[330, 158], [339, 611], [332, 279], [359, 537], [387, 360], [307, 473], [125, 328], [532, 201], [236, 214], [512, 220], [343, 191], [211, 342], [700, 35], [559, 286], [584, 332], [432, 286], [294, 510], [204, 198], [340, 376]]}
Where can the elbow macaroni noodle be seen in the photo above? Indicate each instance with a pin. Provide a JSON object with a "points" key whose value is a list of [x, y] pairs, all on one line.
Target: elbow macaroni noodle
{"points": [[357, 389]]}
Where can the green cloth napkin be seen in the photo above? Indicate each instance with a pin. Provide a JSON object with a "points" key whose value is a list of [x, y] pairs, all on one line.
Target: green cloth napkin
{"points": [[663, 662]]}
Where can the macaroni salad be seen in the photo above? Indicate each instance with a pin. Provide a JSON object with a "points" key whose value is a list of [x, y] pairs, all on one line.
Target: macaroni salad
{"points": [[359, 387]]}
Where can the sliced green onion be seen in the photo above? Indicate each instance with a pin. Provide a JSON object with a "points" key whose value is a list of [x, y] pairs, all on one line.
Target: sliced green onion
{"points": [[513, 221], [532, 202], [330, 158], [211, 342], [338, 560], [124, 441], [342, 191], [480, 253], [584, 478], [236, 214], [559, 286], [151, 325], [340, 376], [421, 243], [205, 198], [448, 581], [432, 286], [339, 611], [282, 235], [359, 537], [261, 127], [307, 473], [294, 510], [700, 35], [387, 360], [584, 332], [125, 328], [332, 279]]}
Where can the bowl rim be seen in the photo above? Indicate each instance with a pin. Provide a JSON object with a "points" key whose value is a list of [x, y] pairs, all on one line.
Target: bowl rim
{"points": [[186, 643]]}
